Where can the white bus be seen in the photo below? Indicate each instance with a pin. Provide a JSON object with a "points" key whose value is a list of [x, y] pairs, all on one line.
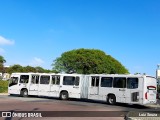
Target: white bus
{"points": [[112, 88], [41, 84]]}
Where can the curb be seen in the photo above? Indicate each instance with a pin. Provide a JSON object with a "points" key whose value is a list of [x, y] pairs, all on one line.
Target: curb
{"points": [[4, 94], [156, 105]]}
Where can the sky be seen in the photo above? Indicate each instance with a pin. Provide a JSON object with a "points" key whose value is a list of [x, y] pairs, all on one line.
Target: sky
{"points": [[36, 32]]}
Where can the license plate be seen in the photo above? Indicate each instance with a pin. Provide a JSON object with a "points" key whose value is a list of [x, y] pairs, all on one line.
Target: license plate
{"points": [[152, 101]]}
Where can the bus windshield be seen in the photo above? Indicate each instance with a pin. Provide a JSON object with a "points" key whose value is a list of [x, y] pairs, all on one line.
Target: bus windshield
{"points": [[13, 81]]}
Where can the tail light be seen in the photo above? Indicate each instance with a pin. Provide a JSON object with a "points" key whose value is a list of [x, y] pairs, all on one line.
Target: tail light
{"points": [[146, 97]]}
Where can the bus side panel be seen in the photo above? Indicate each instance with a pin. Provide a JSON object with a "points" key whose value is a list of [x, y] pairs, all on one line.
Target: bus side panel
{"points": [[14, 90], [149, 93], [84, 87], [135, 96], [73, 90]]}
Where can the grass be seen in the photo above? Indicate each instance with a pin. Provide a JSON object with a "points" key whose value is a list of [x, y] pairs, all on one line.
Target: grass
{"points": [[3, 86]]}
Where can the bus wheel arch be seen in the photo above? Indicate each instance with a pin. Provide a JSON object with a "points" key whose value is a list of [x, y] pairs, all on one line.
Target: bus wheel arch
{"points": [[64, 95], [111, 99], [24, 92]]}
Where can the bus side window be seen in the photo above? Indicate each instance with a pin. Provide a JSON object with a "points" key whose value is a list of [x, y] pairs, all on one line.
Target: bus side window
{"points": [[35, 79], [68, 80], [53, 79], [76, 82], [132, 83], [119, 82], [95, 82], [24, 79], [106, 81], [44, 79], [56, 80]]}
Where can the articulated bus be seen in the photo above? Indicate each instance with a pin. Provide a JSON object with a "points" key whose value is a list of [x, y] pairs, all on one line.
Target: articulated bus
{"points": [[112, 88]]}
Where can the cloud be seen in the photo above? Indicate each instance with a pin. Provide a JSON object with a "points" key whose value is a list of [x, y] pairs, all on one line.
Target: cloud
{"points": [[2, 51], [4, 41], [36, 62]]}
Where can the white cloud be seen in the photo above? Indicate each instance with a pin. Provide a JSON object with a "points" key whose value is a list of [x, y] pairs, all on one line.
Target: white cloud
{"points": [[4, 41], [2, 50], [36, 62]]}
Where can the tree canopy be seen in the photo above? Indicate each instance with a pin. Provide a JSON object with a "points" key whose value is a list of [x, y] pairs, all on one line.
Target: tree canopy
{"points": [[19, 68], [88, 61], [2, 61]]}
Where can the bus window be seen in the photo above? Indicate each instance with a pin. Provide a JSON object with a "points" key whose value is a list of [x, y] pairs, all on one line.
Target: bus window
{"points": [[13, 81], [24, 79], [35, 79], [58, 80], [55, 79], [68, 80], [119, 82], [132, 83], [106, 81], [44, 79], [95, 82], [76, 82]]}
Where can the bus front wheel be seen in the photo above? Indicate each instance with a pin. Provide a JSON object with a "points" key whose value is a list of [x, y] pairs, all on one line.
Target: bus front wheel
{"points": [[64, 95], [24, 93], [111, 99]]}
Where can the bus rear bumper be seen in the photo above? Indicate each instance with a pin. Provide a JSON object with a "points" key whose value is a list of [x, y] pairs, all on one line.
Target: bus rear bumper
{"points": [[149, 102]]}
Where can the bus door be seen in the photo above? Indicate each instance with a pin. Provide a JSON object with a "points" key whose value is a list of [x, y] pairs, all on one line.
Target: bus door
{"points": [[71, 84], [133, 91], [13, 87], [44, 86], [33, 88], [94, 88], [55, 86], [119, 90]]}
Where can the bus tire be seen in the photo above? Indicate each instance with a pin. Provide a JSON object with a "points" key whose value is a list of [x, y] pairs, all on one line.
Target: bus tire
{"points": [[24, 93], [111, 99], [64, 95]]}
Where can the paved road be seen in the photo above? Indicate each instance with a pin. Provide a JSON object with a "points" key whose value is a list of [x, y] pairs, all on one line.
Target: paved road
{"points": [[36, 104]]}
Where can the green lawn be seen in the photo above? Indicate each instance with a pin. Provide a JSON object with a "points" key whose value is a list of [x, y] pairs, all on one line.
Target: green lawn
{"points": [[3, 86]]}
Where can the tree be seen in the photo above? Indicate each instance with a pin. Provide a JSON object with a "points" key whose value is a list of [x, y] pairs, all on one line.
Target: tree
{"points": [[15, 68], [2, 61], [29, 69], [88, 61], [39, 69]]}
